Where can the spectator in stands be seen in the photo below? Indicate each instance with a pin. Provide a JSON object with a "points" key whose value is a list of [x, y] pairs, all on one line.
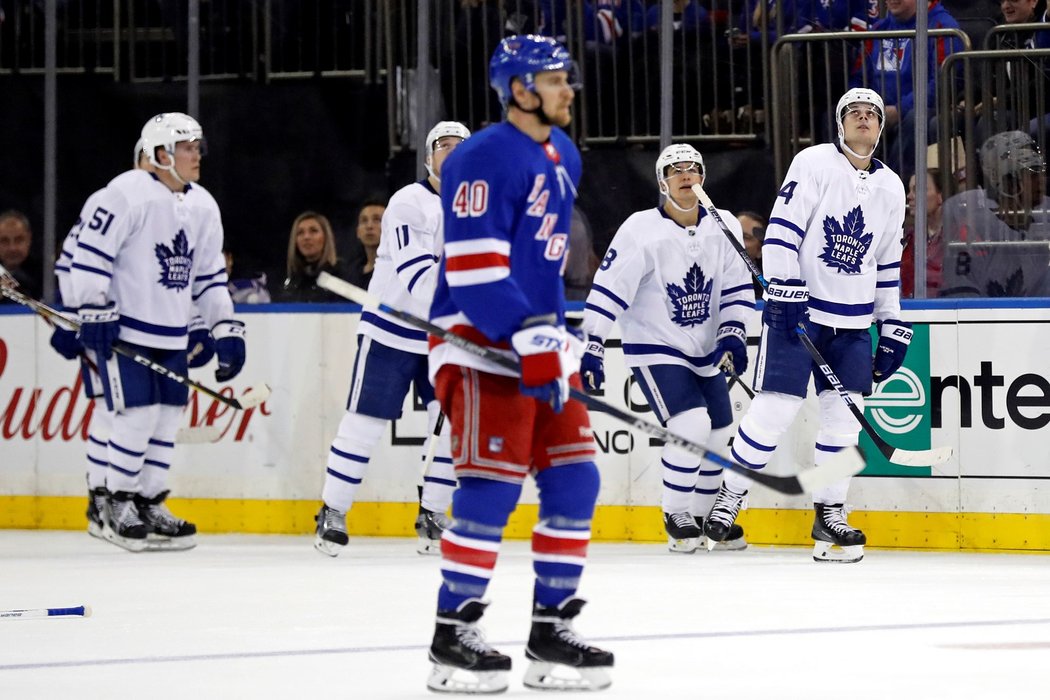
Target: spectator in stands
{"points": [[934, 239], [248, 288], [369, 229], [995, 236], [753, 225], [16, 238], [311, 251], [1021, 88], [687, 16], [887, 65]]}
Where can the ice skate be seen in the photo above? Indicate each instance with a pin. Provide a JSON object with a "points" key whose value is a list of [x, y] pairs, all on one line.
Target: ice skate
{"points": [[331, 531], [165, 532], [429, 526], [683, 536], [830, 529], [560, 659], [720, 522], [123, 526], [96, 511], [734, 541], [463, 661]]}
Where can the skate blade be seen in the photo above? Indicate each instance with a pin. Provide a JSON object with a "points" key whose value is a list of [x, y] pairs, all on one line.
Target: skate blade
{"points": [[159, 543], [687, 545], [128, 543], [737, 545], [96, 530], [327, 547], [448, 679], [545, 675], [428, 546], [826, 552]]}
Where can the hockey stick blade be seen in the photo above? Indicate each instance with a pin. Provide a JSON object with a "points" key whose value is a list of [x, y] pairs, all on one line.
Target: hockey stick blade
{"points": [[834, 469], [197, 434], [897, 455], [254, 395]]}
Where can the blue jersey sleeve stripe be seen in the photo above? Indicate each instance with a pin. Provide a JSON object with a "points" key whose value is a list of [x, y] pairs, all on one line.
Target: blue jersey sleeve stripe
{"points": [[773, 241], [838, 309], [734, 290], [732, 324], [202, 292], [740, 302], [137, 325], [891, 266], [600, 311], [651, 349], [205, 278], [95, 251], [61, 268], [415, 278], [93, 270], [415, 261], [887, 284], [776, 220], [392, 328], [598, 288]]}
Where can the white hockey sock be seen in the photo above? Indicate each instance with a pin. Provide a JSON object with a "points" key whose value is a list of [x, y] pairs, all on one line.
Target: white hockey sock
{"points": [[439, 481], [98, 444], [160, 452], [348, 458], [679, 467], [838, 430], [710, 476], [128, 440], [759, 432]]}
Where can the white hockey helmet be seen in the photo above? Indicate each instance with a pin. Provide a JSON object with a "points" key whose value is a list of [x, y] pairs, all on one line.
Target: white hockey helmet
{"points": [[440, 131], [676, 153], [135, 156], [853, 96], [167, 129], [1004, 158]]}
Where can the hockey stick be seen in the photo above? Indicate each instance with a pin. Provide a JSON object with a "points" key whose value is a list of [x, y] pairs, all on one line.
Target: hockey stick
{"points": [[897, 455], [432, 445], [79, 611], [254, 396], [828, 473]]}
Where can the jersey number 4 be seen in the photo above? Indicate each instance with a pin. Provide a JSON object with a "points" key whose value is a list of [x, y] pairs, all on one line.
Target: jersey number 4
{"points": [[471, 199]]}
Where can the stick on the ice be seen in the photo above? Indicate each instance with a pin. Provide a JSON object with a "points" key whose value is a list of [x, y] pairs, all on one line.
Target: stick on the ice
{"points": [[254, 396], [897, 455], [79, 611], [843, 464]]}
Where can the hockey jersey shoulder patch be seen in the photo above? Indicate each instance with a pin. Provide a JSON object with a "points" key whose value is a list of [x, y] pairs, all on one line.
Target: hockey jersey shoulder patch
{"points": [[846, 243]]}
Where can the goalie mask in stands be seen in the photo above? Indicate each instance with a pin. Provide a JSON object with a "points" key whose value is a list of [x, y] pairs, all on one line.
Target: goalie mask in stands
{"points": [[853, 97], [167, 129], [1006, 158], [440, 131], [524, 56]]}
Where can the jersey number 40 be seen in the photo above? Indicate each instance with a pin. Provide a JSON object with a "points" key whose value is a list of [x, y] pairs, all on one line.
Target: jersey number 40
{"points": [[471, 199]]}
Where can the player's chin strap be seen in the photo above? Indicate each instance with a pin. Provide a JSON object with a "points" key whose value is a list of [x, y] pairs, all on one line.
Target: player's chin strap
{"points": [[666, 191]]}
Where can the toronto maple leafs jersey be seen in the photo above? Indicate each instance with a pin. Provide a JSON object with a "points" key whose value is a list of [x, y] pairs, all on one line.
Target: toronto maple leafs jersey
{"points": [[155, 253], [670, 288], [507, 206], [69, 247], [406, 266], [840, 230]]}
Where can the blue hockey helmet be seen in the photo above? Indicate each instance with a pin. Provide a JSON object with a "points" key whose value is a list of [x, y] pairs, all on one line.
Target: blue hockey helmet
{"points": [[522, 57]]}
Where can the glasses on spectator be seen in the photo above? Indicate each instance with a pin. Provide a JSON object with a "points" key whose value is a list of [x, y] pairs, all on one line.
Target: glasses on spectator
{"points": [[676, 169]]}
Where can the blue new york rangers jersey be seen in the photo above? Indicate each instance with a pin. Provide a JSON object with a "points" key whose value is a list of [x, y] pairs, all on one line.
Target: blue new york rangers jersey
{"points": [[839, 229], [155, 253], [507, 204], [670, 287], [406, 266]]}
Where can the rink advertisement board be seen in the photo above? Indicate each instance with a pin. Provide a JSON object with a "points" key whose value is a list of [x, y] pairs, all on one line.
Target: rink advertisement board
{"points": [[974, 379]]}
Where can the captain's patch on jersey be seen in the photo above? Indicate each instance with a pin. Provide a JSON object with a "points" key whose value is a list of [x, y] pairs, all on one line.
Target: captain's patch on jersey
{"points": [[176, 262], [846, 244], [691, 301]]}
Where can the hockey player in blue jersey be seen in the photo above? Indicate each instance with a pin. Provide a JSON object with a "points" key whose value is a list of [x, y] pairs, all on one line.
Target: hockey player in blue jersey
{"points": [[832, 255], [507, 197], [681, 295], [149, 252], [392, 356]]}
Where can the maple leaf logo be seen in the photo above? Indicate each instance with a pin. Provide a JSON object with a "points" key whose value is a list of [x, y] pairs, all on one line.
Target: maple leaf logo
{"points": [[691, 301], [1014, 286], [846, 245], [176, 262]]}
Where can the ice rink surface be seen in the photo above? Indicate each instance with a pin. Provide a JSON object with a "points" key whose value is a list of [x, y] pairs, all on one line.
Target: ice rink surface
{"points": [[268, 617]]}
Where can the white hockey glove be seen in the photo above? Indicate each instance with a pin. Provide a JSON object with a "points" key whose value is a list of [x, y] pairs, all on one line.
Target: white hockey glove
{"points": [[545, 357]]}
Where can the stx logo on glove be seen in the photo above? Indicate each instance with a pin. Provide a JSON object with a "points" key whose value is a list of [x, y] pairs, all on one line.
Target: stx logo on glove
{"points": [[547, 343]]}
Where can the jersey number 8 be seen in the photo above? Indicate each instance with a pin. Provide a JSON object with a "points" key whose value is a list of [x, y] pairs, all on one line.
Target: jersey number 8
{"points": [[471, 199]]}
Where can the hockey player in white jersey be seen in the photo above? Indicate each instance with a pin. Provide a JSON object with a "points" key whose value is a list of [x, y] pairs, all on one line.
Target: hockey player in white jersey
{"points": [[392, 356], [149, 250], [832, 254], [681, 295]]}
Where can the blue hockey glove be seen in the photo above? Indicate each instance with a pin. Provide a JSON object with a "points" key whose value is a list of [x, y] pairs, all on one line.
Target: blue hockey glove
{"points": [[731, 348], [201, 346], [65, 343], [545, 358], [229, 347], [894, 337], [99, 328], [787, 305], [592, 364]]}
